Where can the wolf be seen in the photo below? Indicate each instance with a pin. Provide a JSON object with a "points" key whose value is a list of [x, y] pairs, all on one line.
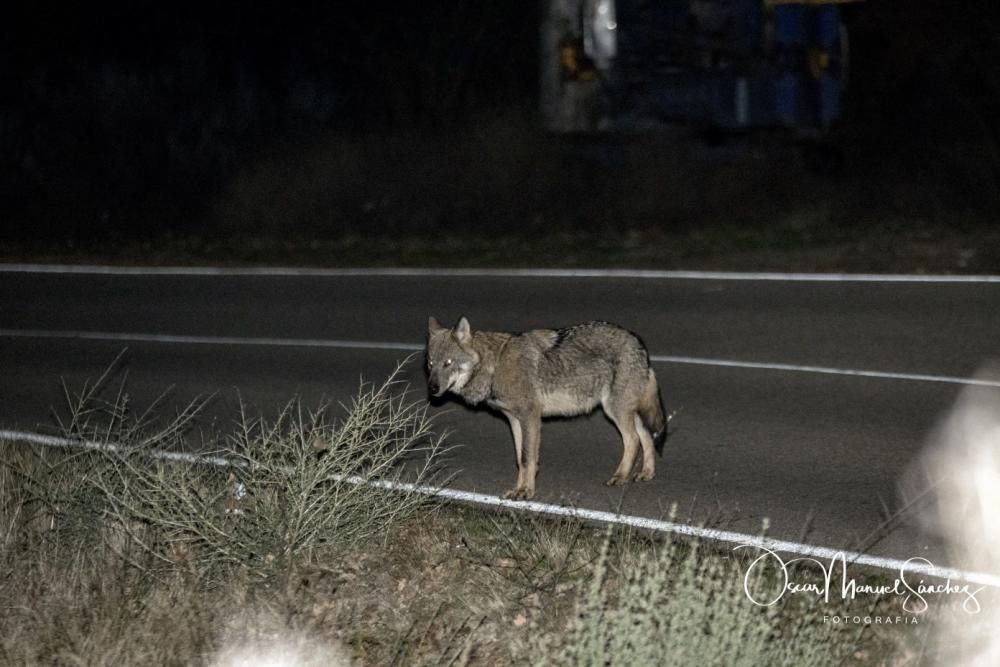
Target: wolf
{"points": [[553, 372]]}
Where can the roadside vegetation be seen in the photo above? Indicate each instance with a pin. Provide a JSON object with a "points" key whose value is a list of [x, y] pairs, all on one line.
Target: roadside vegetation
{"points": [[288, 553]]}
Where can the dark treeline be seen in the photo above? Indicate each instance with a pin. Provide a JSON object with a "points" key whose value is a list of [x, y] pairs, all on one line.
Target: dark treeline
{"points": [[117, 104], [123, 117]]}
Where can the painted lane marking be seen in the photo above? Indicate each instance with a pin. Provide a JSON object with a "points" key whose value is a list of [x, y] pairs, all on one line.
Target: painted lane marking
{"points": [[669, 527], [178, 339], [208, 340], [471, 272], [826, 370]]}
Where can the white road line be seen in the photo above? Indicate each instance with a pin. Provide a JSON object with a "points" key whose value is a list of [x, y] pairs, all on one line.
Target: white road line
{"points": [[416, 347], [471, 272], [915, 567], [885, 375], [208, 340], [66, 443]]}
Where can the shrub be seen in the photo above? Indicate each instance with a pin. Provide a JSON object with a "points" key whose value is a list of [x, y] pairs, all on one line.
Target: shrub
{"points": [[680, 604], [278, 490]]}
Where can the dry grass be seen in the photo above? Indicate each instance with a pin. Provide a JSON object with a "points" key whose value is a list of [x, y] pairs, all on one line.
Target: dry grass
{"points": [[118, 558]]}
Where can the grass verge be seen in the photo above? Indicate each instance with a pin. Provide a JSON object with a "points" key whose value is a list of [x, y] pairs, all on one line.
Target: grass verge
{"points": [[120, 558], [800, 243]]}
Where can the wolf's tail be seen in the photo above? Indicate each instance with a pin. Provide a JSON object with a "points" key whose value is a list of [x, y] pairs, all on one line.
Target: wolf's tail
{"points": [[651, 413]]}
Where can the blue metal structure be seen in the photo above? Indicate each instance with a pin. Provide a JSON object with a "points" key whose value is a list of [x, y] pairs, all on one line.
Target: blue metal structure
{"points": [[621, 65]]}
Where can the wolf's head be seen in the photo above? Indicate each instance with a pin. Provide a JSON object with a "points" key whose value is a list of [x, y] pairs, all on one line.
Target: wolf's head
{"points": [[451, 360]]}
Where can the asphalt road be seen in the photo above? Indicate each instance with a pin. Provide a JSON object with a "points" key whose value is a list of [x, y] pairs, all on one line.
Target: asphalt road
{"points": [[819, 454]]}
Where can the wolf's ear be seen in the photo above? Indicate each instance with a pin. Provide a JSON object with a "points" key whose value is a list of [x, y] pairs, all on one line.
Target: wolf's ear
{"points": [[433, 326], [462, 331]]}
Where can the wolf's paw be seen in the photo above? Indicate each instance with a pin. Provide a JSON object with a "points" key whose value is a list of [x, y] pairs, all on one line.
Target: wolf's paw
{"points": [[520, 493], [644, 476], [617, 480]]}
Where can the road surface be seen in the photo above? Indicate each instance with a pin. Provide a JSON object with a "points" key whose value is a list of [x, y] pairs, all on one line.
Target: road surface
{"points": [[798, 400]]}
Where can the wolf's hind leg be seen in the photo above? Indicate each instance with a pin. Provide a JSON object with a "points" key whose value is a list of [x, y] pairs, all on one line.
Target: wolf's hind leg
{"points": [[630, 445], [648, 450]]}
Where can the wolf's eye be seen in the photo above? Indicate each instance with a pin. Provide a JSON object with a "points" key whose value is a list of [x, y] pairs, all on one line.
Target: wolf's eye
{"points": [[447, 362], [430, 364]]}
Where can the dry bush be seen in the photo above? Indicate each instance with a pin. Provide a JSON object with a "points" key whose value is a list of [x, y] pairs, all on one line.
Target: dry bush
{"points": [[680, 604], [277, 491]]}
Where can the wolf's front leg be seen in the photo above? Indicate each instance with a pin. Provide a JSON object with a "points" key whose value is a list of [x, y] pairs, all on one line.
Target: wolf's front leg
{"points": [[527, 433], [517, 432]]}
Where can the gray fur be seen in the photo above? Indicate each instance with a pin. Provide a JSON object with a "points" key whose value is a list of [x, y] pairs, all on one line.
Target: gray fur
{"points": [[552, 372]]}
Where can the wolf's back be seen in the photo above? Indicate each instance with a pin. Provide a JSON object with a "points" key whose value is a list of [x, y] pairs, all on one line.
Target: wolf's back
{"points": [[604, 339]]}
